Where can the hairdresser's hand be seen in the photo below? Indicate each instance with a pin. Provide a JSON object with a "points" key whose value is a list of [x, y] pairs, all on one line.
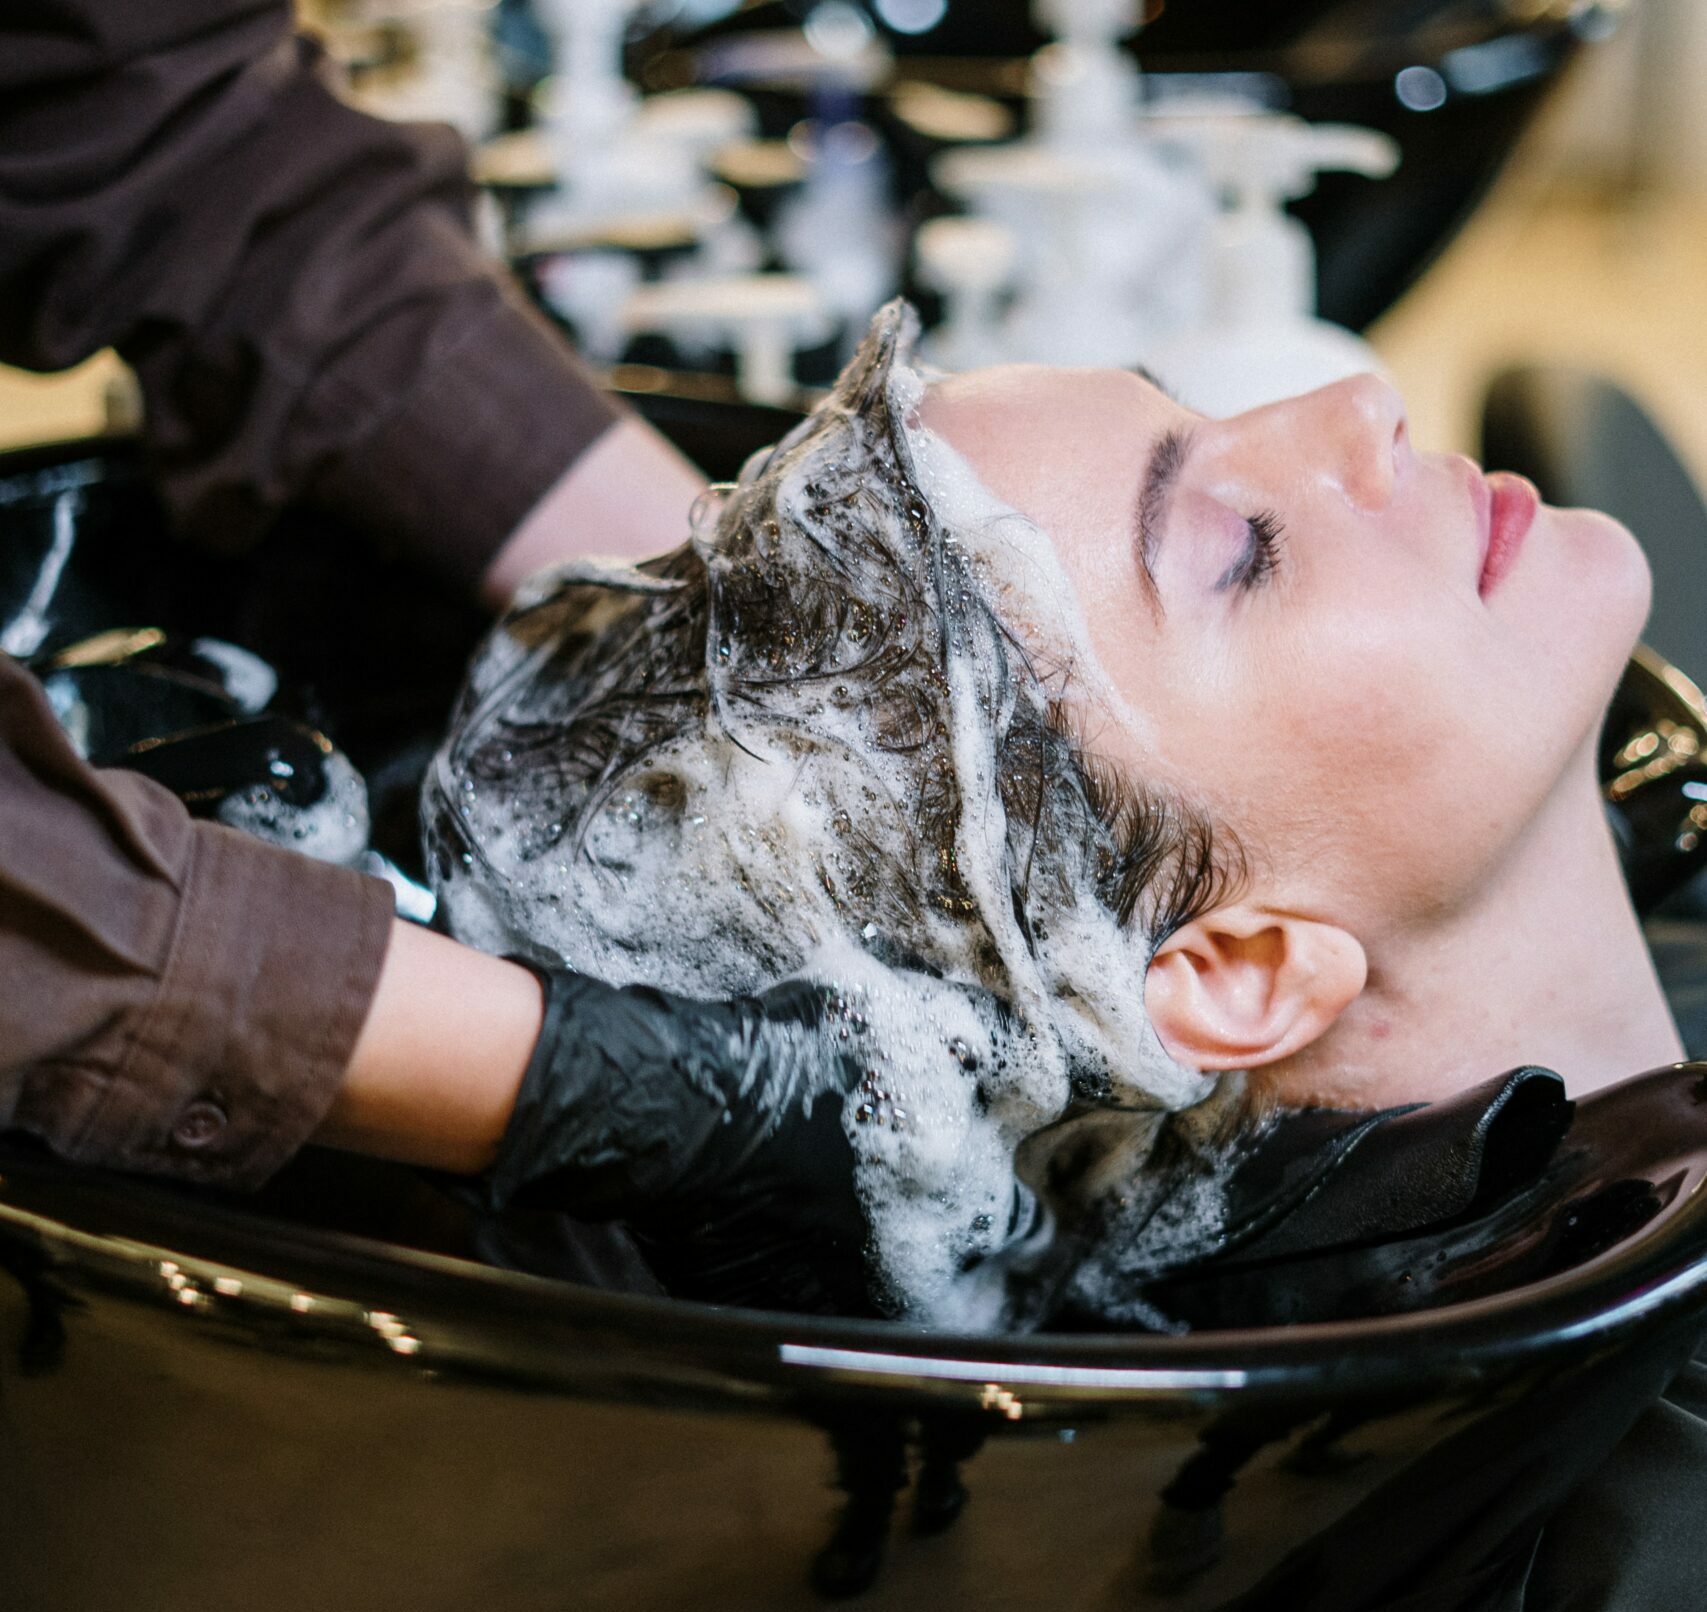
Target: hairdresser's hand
{"points": [[714, 1129]]}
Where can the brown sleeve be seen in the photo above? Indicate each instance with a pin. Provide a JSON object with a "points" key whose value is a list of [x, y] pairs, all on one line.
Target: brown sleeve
{"points": [[174, 996], [294, 282]]}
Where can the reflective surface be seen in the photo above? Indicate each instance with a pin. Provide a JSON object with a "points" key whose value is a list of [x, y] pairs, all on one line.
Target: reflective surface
{"points": [[190, 1388], [1653, 768]]}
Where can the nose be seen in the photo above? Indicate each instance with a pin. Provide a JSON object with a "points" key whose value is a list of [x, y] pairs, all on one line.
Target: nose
{"points": [[1350, 438], [1359, 426]]}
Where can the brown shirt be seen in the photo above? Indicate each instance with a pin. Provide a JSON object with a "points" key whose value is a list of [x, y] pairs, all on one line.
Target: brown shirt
{"points": [[173, 995], [296, 286]]}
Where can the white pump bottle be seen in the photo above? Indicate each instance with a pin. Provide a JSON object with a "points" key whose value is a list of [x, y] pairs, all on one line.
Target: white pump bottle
{"points": [[1103, 230], [1261, 339]]}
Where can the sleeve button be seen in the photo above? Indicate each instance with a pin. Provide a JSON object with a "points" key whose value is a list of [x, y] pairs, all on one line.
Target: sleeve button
{"points": [[200, 1123]]}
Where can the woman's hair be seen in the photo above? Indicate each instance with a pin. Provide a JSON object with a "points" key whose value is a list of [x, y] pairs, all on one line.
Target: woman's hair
{"points": [[811, 727]]}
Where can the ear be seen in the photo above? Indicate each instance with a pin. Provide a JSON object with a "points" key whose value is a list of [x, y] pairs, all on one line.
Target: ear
{"points": [[1242, 986]]}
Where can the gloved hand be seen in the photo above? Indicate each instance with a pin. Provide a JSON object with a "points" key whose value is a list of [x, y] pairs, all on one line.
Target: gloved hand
{"points": [[712, 1129]]}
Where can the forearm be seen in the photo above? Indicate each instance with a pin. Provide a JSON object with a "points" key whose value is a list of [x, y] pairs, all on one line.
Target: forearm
{"points": [[627, 497], [440, 1058], [179, 998]]}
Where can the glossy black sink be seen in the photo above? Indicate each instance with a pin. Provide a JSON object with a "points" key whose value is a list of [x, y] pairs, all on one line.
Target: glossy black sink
{"points": [[201, 1400]]}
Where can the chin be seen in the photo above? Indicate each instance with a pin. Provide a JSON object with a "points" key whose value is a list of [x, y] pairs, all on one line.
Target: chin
{"points": [[1628, 580], [1605, 589]]}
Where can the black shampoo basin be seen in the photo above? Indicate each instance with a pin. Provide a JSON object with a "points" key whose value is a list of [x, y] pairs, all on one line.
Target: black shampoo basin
{"points": [[202, 1404]]}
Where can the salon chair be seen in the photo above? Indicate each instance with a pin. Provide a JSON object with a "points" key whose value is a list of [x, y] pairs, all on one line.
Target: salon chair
{"points": [[323, 1397]]}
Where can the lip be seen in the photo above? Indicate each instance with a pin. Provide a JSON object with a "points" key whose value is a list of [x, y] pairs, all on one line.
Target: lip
{"points": [[1507, 504]]}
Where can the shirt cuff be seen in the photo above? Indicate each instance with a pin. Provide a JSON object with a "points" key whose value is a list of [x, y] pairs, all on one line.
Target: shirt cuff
{"points": [[494, 421], [273, 966]]}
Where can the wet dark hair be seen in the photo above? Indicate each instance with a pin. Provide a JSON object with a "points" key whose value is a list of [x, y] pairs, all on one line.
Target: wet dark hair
{"points": [[830, 612]]}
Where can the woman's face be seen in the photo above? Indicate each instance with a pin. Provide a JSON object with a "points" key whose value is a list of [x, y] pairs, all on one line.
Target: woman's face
{"points": [[1375, 664]]}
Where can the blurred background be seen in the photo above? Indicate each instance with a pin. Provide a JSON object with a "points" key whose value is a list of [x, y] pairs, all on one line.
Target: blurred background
{"points": [[1566, 224]]}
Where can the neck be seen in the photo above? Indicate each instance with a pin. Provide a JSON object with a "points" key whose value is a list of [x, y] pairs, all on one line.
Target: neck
{"points": [[1547, 965]]}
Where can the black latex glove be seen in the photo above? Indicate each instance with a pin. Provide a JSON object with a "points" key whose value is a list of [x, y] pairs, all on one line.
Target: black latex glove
{"points": [[713, 1129]]}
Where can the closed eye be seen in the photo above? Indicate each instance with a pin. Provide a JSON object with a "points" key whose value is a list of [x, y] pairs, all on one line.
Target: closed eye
{"points": [[1257, 564]]}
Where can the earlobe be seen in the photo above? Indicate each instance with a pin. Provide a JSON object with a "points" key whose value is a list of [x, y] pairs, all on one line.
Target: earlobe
{"points": [[1242, 987]]}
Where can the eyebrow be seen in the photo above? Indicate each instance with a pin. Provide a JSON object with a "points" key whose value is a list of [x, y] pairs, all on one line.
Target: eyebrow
{"points": [[1149, 515], [1145, 375]]}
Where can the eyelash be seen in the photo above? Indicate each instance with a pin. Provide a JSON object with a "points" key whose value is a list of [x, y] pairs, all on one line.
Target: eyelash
{"points": [[1257, 564]]}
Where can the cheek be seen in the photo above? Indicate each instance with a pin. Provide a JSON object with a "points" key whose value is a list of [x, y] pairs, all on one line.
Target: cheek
{"points": [[1366, 775], [1380, 748]]}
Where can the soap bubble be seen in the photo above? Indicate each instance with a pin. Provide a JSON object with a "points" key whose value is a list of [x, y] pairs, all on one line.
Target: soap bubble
{"points": [[826, 740]]}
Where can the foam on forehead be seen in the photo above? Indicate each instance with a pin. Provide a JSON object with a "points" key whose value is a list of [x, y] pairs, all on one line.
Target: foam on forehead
{"points": [[823, 740]]}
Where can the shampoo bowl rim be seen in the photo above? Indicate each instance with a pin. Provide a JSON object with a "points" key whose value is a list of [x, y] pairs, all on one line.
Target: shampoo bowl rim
{"points": [[305, 1284]]}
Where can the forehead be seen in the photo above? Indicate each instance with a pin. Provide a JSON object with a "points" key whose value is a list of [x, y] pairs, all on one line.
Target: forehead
{"points": [[1065, 447], [1039, 395]]}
